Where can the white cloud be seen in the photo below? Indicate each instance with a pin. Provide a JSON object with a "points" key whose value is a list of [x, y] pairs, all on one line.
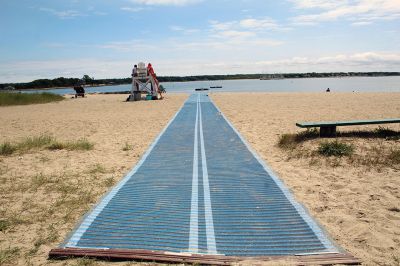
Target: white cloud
{"points": [[263, 24], [258, 23], [322, 4], [166, 2], [356, 10], [217, 25], [183, 29], [361, 23], [235, 34], [65, 14], [132, 9]]}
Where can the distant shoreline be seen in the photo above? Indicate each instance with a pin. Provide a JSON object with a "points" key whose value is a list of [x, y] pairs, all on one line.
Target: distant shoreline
{"points": [[25, 86], [64, 83]]}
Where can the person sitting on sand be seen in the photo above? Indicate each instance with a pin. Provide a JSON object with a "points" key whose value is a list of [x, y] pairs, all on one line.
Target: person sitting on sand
{"points": [[328, 90], [79, 91]]}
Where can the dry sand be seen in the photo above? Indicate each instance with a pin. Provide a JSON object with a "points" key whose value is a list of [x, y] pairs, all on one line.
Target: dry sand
{"points": [[358, 203], [44, 193]]}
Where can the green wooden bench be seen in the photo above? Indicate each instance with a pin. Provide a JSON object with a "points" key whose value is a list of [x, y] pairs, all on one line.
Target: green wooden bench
{"points": [[328, 129]]}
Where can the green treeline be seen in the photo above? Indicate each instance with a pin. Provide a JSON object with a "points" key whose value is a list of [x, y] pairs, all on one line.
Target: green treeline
{"points": [[278, 76], [70, 82], [64, 82]]}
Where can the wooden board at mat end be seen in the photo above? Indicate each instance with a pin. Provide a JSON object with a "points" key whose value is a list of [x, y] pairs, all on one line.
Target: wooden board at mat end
{"points": [[167, 257]]}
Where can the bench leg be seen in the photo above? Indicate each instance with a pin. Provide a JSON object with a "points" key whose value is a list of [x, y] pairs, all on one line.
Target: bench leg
{"points": [[328, 131]]}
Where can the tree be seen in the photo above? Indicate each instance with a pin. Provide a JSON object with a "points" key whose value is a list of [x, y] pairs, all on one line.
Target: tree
{"points": [[87, 79]]}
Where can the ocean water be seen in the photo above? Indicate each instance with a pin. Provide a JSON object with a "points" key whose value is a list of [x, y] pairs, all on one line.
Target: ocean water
{"points": [[353, 84]]}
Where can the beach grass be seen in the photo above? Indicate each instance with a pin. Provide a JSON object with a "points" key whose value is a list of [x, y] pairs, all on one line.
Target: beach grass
{"points": [[10, 98], [8, 254], [85, 262], [127, 147], [97, 169], [44, 142], [290, 141], [80, 144], [36, 142], [7, 148], [394, 156], [4, 225], [335, 148]]}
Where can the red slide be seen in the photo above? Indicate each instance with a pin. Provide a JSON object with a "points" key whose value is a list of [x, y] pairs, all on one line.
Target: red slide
{"points": [[150, 71]]}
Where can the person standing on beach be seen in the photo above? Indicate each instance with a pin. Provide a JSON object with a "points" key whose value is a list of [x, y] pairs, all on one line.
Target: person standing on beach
{"points": [[135, 74], [134, 71]]}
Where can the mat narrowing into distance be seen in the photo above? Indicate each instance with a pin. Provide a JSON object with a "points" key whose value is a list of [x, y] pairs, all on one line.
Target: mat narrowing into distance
{"points": [[200, 194]]}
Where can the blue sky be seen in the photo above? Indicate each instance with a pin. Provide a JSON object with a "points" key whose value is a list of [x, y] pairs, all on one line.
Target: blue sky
{"points": [[105, 38]]}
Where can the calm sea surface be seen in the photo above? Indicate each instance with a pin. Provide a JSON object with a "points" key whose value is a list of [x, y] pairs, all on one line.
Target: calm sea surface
{"points": [[357, 84]]}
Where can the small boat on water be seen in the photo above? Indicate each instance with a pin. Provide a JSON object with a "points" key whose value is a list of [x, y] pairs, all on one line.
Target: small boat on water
{"points": [[215, 87], [201, 89]]}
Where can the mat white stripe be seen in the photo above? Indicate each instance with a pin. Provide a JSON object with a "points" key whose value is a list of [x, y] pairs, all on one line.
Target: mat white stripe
{"points": [[194, 210], [211, 245]]}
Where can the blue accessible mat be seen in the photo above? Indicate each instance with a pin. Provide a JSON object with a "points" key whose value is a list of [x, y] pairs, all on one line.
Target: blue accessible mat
{"points": [[200, 191]]}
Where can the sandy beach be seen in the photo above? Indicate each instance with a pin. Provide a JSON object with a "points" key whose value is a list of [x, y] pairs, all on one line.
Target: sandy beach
{"points": [[44, 193]]}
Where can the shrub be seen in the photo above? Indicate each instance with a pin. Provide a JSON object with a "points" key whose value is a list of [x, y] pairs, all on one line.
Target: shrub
{"points": [[335, 148]]}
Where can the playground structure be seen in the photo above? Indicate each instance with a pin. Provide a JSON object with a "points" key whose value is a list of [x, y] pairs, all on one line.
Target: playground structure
{"points": [[144, 80]]}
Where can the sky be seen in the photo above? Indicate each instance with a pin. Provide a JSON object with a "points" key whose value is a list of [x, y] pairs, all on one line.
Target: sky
{"points": [[105, 38]]}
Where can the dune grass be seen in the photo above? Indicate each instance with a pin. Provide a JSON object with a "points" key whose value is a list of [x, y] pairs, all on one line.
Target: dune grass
{"points": [[127, 147], [4, 225], [7, 148], [377, 153], [6, 255], [335, 148], [80, 144], [394, 156], [290, 141], [43, 142], [10, 98]]}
